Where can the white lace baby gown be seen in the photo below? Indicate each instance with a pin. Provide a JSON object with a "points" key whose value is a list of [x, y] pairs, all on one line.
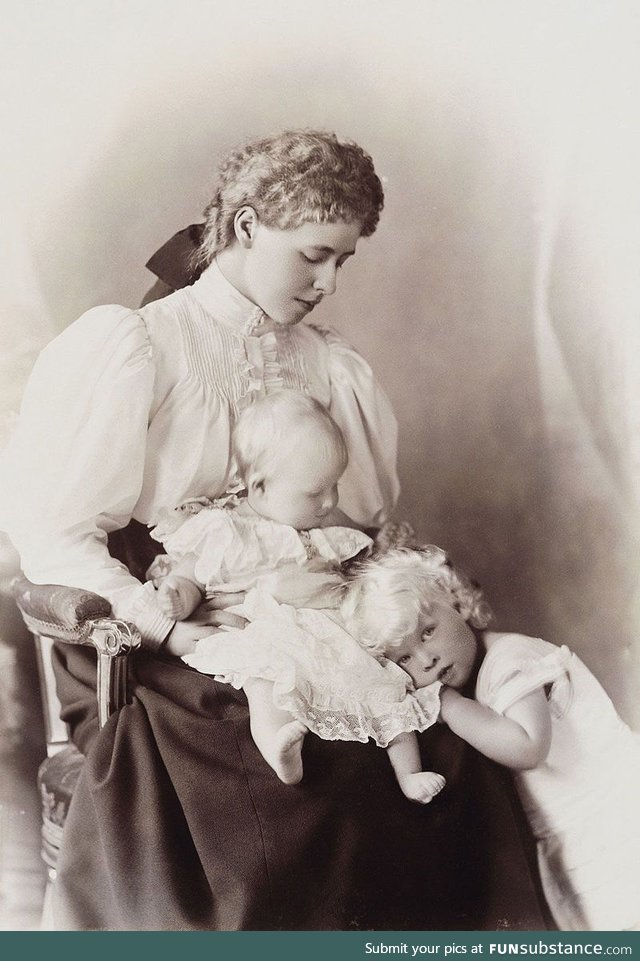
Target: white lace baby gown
{"points": [[320, 674], [582, 801]]}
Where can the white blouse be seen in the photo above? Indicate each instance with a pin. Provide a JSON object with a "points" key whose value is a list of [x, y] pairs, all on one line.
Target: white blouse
{"points": [[129, 412]]}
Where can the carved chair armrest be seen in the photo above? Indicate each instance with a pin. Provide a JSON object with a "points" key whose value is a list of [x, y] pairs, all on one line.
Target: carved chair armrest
{"points": [[76, 616]]}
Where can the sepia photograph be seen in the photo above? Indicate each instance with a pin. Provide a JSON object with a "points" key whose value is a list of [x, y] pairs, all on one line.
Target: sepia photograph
{"points": [[320, 466]]}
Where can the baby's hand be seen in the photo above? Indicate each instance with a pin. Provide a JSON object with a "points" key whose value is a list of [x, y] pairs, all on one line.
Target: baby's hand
{"points": [[421, 787], [178, 597]]}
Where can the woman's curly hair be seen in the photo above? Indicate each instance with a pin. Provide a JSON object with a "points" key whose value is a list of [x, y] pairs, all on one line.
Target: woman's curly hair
{"points": [[389, 592], [295, 177]]}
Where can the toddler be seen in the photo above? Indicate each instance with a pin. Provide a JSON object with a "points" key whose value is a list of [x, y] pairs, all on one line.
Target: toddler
{"points": [[300, 669], [537, 709]]}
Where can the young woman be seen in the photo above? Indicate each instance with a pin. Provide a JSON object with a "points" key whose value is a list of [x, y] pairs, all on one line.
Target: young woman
{"points": [[177, 821]]}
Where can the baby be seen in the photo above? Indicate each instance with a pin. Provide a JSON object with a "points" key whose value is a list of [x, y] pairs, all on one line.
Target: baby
{"points": [[299, 667], [537, 710]]}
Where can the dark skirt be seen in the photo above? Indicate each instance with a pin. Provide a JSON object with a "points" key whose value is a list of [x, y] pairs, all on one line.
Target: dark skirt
{"points": [[177, 823]]}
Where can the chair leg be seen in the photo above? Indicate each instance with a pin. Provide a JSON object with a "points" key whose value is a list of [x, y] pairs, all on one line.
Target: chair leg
{"points": [[113, 640], [111, 684]]}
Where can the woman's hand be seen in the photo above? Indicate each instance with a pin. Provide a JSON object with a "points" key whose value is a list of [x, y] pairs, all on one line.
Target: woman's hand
{"points": [[337, 518], [207, 617], [300, 588]]}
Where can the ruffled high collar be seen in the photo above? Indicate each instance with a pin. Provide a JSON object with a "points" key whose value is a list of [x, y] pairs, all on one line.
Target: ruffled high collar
{"points": [[221, 299]]}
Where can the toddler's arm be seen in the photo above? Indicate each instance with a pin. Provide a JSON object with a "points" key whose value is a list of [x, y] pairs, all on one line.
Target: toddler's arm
{"points": [[180, 593], [520, 739], [416, 784]]}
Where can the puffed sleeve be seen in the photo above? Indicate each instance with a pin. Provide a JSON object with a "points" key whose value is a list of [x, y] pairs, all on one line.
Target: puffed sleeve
{"points": [[516, 666], [369, 487], [74, 467]]}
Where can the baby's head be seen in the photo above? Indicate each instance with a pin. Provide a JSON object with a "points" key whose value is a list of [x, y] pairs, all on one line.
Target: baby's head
{"points": [[290, 455], [414, 608]]}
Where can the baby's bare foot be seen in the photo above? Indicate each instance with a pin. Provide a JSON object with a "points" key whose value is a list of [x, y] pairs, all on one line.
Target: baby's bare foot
{"points": [[286, 755], [422, 787]]}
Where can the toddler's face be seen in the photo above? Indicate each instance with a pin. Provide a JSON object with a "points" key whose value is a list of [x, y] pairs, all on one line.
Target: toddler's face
{"points": [[302, 492], [442, 648]]}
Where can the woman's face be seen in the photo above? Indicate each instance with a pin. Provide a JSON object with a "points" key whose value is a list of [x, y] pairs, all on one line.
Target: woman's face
{"points": [[288, 272]]}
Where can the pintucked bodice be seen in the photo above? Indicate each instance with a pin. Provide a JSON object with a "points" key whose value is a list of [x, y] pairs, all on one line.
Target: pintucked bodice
{"points": [[128, 412]]}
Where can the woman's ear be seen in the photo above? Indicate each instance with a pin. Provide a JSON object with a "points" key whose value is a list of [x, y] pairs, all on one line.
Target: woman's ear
{"points": [[244, 226]]}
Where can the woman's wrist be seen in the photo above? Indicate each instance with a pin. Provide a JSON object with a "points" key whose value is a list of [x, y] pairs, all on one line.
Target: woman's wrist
{"points": [[154, 625], [165, 639]]}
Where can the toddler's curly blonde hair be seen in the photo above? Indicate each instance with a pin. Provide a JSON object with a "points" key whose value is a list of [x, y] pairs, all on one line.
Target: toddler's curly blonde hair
{"points": [[387, 594]]}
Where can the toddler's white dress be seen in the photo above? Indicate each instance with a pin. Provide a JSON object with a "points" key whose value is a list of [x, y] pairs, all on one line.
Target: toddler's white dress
{"points": [[582, 801], [320, 674]]}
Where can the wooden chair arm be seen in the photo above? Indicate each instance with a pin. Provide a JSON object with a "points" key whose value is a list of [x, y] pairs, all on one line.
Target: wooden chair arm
{"points": [[75, 616]]}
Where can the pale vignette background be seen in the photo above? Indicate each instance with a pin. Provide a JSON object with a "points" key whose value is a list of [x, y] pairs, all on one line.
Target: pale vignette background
{"points": [[499, 301]]}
